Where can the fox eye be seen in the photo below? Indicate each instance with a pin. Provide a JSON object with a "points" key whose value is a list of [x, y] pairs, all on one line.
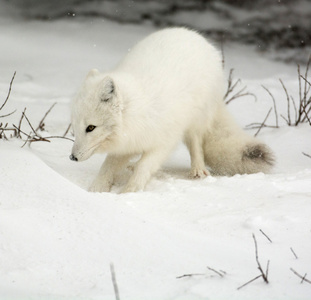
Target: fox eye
{"points": [[90, 128]]}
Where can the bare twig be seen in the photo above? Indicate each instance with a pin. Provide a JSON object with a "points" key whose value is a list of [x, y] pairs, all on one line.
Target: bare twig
{"points": [[11, 113], [37, 138], [248, 282], [4, 128], [220, 273], [265, 235], [307, 155], [34, 131], [24, 133], [31, 138], [263, 123], [47, 138], [20, 123], [17, 131], [190, 275], [295, 109], [288, 120], [263, 274], [302, 280], [306, 112], [299, 109], [41, 123], [274, 104], [9, 92], [300, 276], [114, 282], [232, 86], [305, 79], [67, 130], [299, 81], [7, 98], [267, 270], [305, 97], [258, 125], [291, 249], [306, 88]]}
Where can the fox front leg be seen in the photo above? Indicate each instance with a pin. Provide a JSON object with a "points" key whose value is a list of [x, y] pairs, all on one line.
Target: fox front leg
{"points": [[148, 164], [105, 178]]}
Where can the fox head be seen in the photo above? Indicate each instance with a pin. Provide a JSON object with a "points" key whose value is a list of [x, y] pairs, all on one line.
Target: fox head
{"points": [[96, 116]]}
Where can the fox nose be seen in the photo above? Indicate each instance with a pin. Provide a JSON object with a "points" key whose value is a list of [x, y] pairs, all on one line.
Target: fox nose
{"points": [[72, 157]]}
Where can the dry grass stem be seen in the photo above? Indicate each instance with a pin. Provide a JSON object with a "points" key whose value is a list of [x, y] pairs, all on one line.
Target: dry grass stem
{"points": [[263, 274], [41, 123], [303, 278], [274, 105], [9, 92], [248, 282], [307, 155], [114, 282], [190, 275], [288, 120], [291, 249], [263, 123], [67, 130], [232, 85], [220, 273], [265, 236]]}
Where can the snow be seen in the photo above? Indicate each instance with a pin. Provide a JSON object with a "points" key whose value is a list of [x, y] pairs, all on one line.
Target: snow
{"points": [[57, 240]]}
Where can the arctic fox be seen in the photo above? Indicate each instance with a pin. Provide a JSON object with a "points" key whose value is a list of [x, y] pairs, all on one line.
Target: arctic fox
{"points": [[168, 88]]}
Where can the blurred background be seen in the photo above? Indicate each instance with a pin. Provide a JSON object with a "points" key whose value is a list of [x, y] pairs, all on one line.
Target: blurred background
{"points": [[280, 27]]}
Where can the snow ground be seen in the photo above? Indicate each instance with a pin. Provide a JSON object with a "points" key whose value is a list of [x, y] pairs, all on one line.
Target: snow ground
{"points": [[57, 240]]}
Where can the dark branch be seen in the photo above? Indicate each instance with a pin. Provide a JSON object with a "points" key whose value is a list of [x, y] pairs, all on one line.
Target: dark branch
{"points": [[67, 130], [307, 155], [291, 249], [11, 113], [263, 123], [248, 282], [274, 104], [41, 123], [9, 92], [301, 277], [221, 274], [114, 282], [265, 235], [288, 103], [263, 274], [190, 275]]}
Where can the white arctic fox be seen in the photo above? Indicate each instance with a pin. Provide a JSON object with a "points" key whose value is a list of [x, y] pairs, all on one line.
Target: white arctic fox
{"points": [[168, 88]]}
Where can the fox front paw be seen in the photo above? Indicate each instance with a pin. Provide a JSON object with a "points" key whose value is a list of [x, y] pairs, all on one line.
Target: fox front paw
{"points": [[132, 188], [100, 186]]}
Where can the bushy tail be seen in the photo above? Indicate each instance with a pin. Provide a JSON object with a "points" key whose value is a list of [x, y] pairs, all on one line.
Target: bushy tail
{"points": [[228, 150]]}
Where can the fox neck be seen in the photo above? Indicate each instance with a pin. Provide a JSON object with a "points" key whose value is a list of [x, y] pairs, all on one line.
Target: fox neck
{"points": [[131, 131]]}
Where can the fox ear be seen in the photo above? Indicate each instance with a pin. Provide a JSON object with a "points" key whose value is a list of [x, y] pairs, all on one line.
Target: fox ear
{"points": [[107, 89], [92, 73]]}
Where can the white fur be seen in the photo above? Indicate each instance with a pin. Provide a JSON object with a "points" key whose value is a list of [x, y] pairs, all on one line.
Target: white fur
{"points": [[169, 88]]}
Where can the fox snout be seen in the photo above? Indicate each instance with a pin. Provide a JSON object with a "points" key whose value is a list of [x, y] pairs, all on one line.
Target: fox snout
{"points": [[72, 157]]}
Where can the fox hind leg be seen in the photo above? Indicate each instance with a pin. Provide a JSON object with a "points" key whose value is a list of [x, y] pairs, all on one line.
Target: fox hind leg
{"points": [[195, 146]]}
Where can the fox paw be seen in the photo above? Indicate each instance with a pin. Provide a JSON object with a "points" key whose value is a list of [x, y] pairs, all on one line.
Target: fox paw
{"points": [[133, 187], [199, 173], [99, 186]]}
